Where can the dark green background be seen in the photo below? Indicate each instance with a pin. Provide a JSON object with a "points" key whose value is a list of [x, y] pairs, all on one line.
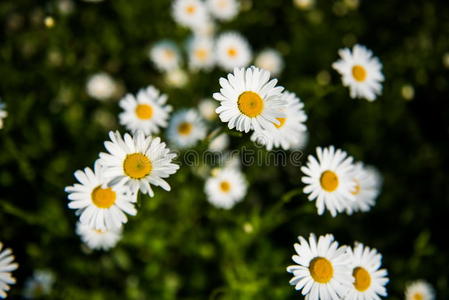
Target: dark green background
{"points": [[179, 246]]}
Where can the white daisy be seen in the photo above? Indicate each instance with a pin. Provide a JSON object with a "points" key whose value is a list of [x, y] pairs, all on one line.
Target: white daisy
{"points": [[190, 13], [201, 53], [361, 72], [207, 109], [176, 78], [219, 143], [419, 290], [224, 10], [99, 206], [250, 100], [146, 111], [39, 285], [290, 132], [328, 180], [207, 30], [322, 270], [225, 187], [99, 239], [165, 56], [270, 60], [186, 128], [302, 141], [137, 161], [101, 86], [367, 187], [6, 267], [3, 114], [232, 51], [369, 280]]}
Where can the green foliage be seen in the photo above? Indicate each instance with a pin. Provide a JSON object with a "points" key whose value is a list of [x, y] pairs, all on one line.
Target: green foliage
{"points": [[179, 246]]}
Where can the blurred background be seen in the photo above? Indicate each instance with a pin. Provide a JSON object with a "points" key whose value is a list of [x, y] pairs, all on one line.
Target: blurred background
{"points": [[179, 246]]}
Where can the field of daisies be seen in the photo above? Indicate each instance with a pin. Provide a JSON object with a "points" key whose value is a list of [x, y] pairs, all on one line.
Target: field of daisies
{"points": [[224, 149]]}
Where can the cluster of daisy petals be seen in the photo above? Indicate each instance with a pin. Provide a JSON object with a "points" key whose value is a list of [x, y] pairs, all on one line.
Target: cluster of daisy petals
{"points": [[326, 271]]}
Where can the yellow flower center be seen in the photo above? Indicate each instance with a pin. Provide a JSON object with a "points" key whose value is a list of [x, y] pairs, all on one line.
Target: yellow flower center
{"points": [[225, 186], [223, 3], [190, 9], [185, 128], [232, 52], [144, 111], [321, 270], [137, 165], [250, 104], [282, 122], [103, 198], [418, 296], [359, 73], [201, 54], [362, 279], [169, 54], [329, 181], [357, 188]]}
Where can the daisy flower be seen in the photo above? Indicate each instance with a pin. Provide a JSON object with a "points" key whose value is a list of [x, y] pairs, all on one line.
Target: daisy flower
{"points": [[101, 86], [99, 206], [270, 60], [225, 187], [361, 72], [190, 13], [165, 56], [328, 180], [99, 239], [419, 290], [201, 53], [219, 143], [369, 280], [137, 161], [322, 268], [147, 111], [207, 109], [6, 267], [367, 187], [39, 284], [290, 131], [176, 78], [250, 100], [3, 114], [232, 51], [186, 128], [223, 10]]}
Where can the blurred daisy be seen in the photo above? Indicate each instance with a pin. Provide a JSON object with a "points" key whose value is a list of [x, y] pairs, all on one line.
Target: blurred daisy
{"points": [[99, 239], [137, 161], [207, 30], [3, 114], [219, 143], [190, 13], [99, 206], [361, 72], [419, 290], [186, 128], [232, 50], [6, 267], [369, 280], [328, 180], [165, 56], [250, 100], [207, 109], [322, 268], [39, 285], [176, 78], [270, 60], [147, 111], [225, 187], [291, 129], [367, 187], [301, 143], [101, 86], [224, 10], [201, 53]]}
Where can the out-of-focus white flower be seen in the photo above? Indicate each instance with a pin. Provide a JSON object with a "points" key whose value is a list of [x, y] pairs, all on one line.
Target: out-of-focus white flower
{"points": [[176, 78], [101, 86], [190, 13], [304, 4], [39, 285], [201, 53], [219, 143], [232, 51], [207, 109], [186, 128], [225, 187], [270, 60], [165, 56], [99, 239], [3, 114], [223, 10]]}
